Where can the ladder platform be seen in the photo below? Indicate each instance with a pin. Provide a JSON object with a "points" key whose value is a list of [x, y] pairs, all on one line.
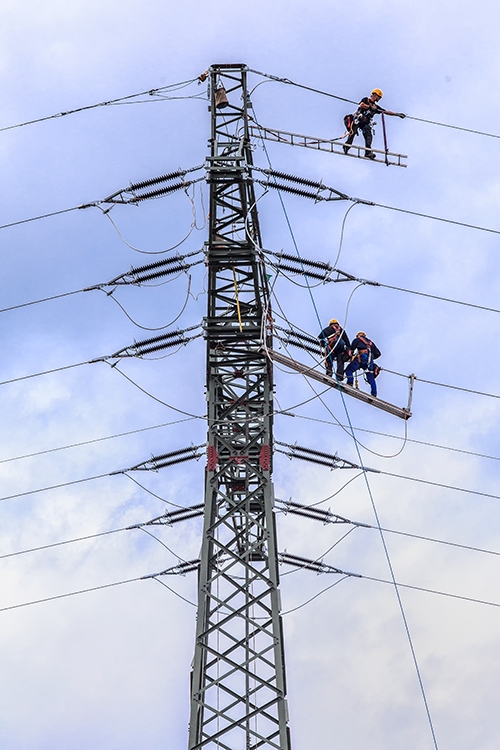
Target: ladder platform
{"points": [[397, 411], [322, 144]]}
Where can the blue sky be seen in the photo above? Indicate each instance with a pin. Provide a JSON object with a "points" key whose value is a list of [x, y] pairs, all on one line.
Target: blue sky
{"points": [[110, 668]]}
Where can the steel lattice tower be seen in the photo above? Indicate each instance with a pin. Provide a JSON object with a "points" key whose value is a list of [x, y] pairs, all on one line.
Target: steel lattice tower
{"points": [[238, 688]]}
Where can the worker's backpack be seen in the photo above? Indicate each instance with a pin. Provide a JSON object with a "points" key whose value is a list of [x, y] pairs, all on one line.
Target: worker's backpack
{"points": [[349, 122]]}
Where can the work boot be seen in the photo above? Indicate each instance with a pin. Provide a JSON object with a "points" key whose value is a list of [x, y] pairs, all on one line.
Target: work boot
{"points": [[350, 381], [346, 149], [370, 155]]}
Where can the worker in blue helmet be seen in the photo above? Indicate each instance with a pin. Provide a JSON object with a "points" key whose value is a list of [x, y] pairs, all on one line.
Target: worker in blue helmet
{"points": [[367, 351]]}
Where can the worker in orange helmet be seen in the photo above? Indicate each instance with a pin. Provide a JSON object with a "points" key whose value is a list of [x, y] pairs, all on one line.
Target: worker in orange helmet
{"points": [[362, 121]]}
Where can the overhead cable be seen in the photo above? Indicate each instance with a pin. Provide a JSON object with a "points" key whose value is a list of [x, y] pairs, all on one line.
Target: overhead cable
{"points": [[438, 297], [435, 218], [335, 195], [345, 276], [45, 216], [137, 349], [119, 197], [326, 517], [151, 92], [183, 568], [153, 464], [135, 276], [352, 101], [155, 398], [288, 506], [86, 591], [95, 440], [287, 413]]}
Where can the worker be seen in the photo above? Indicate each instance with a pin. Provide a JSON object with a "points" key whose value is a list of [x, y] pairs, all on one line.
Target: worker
{"points": [[335, 346], [363, 360], [362, 121]]}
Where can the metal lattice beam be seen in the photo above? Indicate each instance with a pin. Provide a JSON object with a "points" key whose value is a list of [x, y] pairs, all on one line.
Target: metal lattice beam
{"points": [[238, 687]]}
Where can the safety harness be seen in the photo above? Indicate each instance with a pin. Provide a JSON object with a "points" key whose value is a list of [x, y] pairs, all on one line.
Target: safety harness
{"points": [[366, 351]]}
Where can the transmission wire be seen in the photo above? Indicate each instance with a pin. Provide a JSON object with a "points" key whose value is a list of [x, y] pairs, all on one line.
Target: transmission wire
{"points": [[151, 92], [351, 101]]}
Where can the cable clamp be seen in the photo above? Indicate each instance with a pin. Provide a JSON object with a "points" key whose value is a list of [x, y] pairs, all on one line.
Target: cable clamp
{"points": [[361, 200]]}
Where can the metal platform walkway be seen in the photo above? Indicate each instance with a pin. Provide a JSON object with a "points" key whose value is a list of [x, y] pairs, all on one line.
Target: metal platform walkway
{"points": [[397, 411], [321, 144]]}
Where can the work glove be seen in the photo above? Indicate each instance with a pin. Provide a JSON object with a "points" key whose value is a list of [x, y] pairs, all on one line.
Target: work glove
{"points": [[400, 114]]}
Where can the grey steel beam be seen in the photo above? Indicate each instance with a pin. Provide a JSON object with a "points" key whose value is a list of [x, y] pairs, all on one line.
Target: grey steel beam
{"points": [[310, 372]]}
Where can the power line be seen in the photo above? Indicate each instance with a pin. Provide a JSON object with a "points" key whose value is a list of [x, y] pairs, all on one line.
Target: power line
{"points": [[286, 413], [53, 487], [142, 578], [443, 385], [356, 524], [158, 400], [436, 296], [45, 372], [45, 216], [71, 593], [352, 101], [433, 591], [439, 541], [393, 372], [438, 484], [435, 218], [94, 440], [458, 388], [134, 432], [378, 471], [66, 541], [151, 92], [454, 127], [391, 583], [37, 301]]}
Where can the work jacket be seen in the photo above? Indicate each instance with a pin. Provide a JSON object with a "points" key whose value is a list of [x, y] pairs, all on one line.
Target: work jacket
{"points": [[334, 339], [364, 345]]}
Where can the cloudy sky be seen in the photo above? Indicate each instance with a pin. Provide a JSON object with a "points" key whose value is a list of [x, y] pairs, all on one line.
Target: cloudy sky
{"points": [[110, 668]]}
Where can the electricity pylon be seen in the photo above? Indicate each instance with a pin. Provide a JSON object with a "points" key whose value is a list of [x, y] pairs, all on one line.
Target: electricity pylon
{"points": [[238, 686]]}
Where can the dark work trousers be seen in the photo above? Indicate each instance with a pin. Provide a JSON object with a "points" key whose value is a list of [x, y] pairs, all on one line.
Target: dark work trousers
{"points": [[339, 356], [367, 131]]}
